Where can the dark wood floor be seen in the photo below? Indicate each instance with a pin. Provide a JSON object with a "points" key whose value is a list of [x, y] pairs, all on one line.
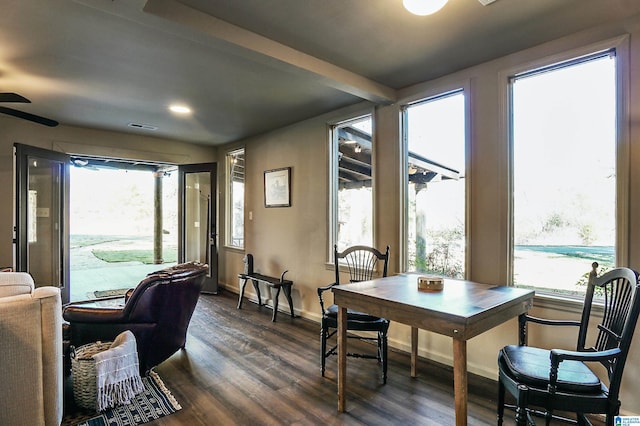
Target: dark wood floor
{"points": [[239, 368]]}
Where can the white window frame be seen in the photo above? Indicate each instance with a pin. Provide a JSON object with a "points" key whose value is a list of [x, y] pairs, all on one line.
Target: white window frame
{"points": [[621, 47], [465, 88], [333, 179], [229, 199]]}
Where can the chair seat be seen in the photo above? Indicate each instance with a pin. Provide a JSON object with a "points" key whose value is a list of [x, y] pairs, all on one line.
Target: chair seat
{"points": [[358, 321], [530, 366], [332, 312]]}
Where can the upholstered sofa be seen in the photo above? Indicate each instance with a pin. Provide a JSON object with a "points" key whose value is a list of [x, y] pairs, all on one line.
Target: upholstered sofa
{"points": [[157, 312], [31, 389]]}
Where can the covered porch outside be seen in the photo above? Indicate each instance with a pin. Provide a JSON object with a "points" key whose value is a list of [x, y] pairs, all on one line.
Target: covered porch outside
{"points": [[93, 277]]}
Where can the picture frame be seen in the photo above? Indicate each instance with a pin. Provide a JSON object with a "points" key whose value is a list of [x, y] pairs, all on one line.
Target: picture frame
{"points": [[277, 187]]}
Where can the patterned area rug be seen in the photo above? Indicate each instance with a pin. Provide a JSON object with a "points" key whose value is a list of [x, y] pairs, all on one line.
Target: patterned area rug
{"points": [[156, 401]]}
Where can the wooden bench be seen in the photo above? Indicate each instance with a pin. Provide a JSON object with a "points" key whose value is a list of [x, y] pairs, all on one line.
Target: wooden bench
{"points": [[271, 282]]}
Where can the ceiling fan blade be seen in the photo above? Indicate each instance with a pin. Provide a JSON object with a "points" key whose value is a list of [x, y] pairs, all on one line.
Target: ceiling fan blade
{"points": [[27, 116], [13, 97]]}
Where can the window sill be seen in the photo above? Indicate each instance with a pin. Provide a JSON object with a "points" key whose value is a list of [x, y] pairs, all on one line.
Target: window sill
{"points": [[564, 304], [234, 249]]}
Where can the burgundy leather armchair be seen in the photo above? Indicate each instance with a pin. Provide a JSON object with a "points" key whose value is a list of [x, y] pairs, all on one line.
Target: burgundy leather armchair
{"points": [[157, 312]]}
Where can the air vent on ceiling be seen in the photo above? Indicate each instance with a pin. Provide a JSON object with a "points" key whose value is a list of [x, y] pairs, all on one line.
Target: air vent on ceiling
{"points": [[142, 126]]}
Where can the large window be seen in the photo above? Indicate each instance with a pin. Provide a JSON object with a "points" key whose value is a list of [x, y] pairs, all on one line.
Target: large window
{"points": [[436, 192], [564, 172], [352, 200], [235, 198]]}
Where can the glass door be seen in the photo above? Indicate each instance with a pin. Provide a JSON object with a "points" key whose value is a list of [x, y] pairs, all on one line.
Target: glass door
{"points": [[41, 229], [197, 236]]}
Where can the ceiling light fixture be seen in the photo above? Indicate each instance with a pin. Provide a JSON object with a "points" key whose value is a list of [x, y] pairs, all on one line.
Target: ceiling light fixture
{"points": [[180, 109], [423, 7]]}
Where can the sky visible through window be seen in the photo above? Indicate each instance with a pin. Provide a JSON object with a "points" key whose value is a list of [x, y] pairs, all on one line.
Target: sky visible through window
{"points": [[436, 130], [119, 202]]}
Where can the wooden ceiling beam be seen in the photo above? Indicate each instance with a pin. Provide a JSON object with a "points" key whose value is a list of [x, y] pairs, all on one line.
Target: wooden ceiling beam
{"points": [[330, 74]]}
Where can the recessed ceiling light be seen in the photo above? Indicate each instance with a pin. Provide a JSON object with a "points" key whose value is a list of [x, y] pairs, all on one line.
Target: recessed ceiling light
{"points": [[180, 109], [423, 7]]}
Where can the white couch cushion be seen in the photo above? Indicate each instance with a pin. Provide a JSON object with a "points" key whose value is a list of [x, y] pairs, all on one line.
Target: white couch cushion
{"points": [[14, 283]]}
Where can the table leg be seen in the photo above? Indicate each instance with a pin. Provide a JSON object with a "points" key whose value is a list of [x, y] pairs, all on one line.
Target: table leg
{"points": [[342, 357], [460, 380], [414, 352]]}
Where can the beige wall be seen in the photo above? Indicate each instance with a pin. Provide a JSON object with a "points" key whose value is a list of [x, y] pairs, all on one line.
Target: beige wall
{"points": [[74, 140], [296, 238]]}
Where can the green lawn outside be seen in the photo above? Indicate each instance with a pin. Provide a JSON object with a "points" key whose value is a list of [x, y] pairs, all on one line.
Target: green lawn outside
{"points": [[144, 256]]}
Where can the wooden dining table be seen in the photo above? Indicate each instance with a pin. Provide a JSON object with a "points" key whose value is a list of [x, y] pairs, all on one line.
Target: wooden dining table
{"points": [[462, 310]]}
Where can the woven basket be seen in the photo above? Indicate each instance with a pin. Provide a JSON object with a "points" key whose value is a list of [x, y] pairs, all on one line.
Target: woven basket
{"points": [[83, 371]]}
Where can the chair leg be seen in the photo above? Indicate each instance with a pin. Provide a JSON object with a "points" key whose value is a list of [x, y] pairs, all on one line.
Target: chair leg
{"points": [[384, 358], [521, 406], [547, 417], [610, 417], [612, 412], [501, 391], [323, 348]]}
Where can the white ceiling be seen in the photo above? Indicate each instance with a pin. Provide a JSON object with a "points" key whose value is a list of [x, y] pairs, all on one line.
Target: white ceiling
{"points": [[249, 66]]}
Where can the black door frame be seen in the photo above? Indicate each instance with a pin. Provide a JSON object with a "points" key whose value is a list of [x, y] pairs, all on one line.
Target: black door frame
{"points": [[211, 282], [23, 153]]}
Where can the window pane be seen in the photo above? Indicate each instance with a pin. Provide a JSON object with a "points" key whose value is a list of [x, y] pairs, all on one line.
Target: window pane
{"points": [[355, 197], [436, 185], [235, 203], [564, 148]]}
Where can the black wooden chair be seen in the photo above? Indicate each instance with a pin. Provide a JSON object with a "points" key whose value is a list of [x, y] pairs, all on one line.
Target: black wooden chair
{"points": [[560, 380], [362, 264]]}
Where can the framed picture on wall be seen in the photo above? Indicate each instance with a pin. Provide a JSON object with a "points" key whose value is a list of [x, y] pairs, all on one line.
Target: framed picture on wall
{"points": [[277, 187]]}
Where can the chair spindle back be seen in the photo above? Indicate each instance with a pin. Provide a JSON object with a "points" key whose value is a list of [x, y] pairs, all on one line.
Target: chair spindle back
{"points": [[361, 262], [620, 295]]}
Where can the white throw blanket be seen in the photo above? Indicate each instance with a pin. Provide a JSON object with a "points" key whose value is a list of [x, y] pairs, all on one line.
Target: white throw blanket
{"points": [[117, 372]]}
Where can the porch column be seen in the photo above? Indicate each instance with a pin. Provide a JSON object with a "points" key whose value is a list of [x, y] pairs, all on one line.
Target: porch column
{"points": [[421, 238], [157, 218]]}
